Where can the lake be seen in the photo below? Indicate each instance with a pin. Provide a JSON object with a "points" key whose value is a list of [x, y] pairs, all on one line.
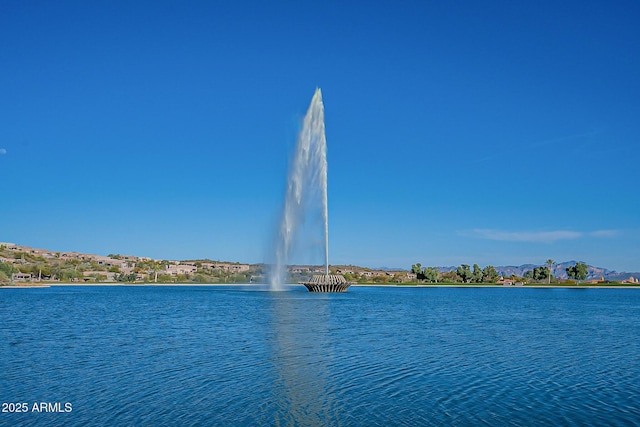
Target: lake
{"points": [[230, 356]]}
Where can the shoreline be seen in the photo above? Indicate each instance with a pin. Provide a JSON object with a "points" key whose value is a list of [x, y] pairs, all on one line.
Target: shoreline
{"points": [[258, 285], [537, 286], [114, 284]]}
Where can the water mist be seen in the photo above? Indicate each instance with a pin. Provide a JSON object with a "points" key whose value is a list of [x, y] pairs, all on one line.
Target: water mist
{"points": [[306, 192]]}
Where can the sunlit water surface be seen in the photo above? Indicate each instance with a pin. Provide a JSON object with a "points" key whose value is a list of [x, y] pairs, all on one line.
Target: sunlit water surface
{"points": [[373, 356]]}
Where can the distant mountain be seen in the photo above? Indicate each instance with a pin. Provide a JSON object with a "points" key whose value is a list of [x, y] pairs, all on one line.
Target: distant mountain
{"points": [[390, 269], [559, 271]]}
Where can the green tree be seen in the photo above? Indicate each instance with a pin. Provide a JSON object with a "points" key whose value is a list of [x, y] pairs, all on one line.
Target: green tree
{"points": [[156, 268], [41, 270], [578, 272], [380, 279], [65, 275], [540, 273], [349, 277], [477, 273], [4, 279], [7, 268], [122, 277], [200, 278], [165, 278], [464, 272], [582, 271], [417, 270], [489, 274], [449, 277], [550, 263], [430, 274]]}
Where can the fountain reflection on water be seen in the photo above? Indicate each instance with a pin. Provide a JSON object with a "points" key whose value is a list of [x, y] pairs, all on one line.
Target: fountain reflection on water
{"points": [[306, 193], [303, 356]]}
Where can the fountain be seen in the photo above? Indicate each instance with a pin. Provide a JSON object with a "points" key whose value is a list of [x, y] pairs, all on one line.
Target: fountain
{"points": [[306, 193]]}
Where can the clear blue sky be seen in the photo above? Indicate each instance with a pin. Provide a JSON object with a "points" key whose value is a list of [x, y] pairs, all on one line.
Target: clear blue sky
{"points": [[458, 132]]}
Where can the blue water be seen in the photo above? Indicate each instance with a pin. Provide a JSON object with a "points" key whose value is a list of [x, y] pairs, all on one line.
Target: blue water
{"points": [[192, 356]]}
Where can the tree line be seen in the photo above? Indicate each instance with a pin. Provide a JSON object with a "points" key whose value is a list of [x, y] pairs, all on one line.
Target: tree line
{"points": [[577, 272], [467, 274], [464, 274]]}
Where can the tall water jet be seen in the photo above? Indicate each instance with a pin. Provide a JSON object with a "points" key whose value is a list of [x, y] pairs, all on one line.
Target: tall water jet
{"points": [[306, 191]]}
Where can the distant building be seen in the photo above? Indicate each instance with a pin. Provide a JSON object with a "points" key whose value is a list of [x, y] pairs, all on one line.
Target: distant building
{"points": [[509, 282], [108, 262], [174, 270], [232, 268], [21, 277]]}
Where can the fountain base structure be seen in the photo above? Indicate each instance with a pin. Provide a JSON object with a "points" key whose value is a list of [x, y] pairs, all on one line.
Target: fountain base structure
{"points": [[327, 283]]}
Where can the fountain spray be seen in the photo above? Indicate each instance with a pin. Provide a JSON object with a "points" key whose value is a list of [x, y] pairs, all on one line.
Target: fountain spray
{"points": [[306, 189]]}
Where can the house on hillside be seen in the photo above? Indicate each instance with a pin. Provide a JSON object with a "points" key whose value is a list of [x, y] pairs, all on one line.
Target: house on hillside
{"points": [[21, 277], [381, 273], [109, 262], [70, 255], [175, 270], [232, 268]]}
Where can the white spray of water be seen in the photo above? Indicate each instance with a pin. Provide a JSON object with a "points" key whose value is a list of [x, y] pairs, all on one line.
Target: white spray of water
{"points": [[306, 190]]}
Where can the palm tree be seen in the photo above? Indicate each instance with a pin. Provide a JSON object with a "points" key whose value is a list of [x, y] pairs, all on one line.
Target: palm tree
{"points": [[550, 263]]}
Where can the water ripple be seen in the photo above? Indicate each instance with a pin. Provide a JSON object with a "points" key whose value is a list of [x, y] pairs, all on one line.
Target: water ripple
{"points": [[183, 356]]}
